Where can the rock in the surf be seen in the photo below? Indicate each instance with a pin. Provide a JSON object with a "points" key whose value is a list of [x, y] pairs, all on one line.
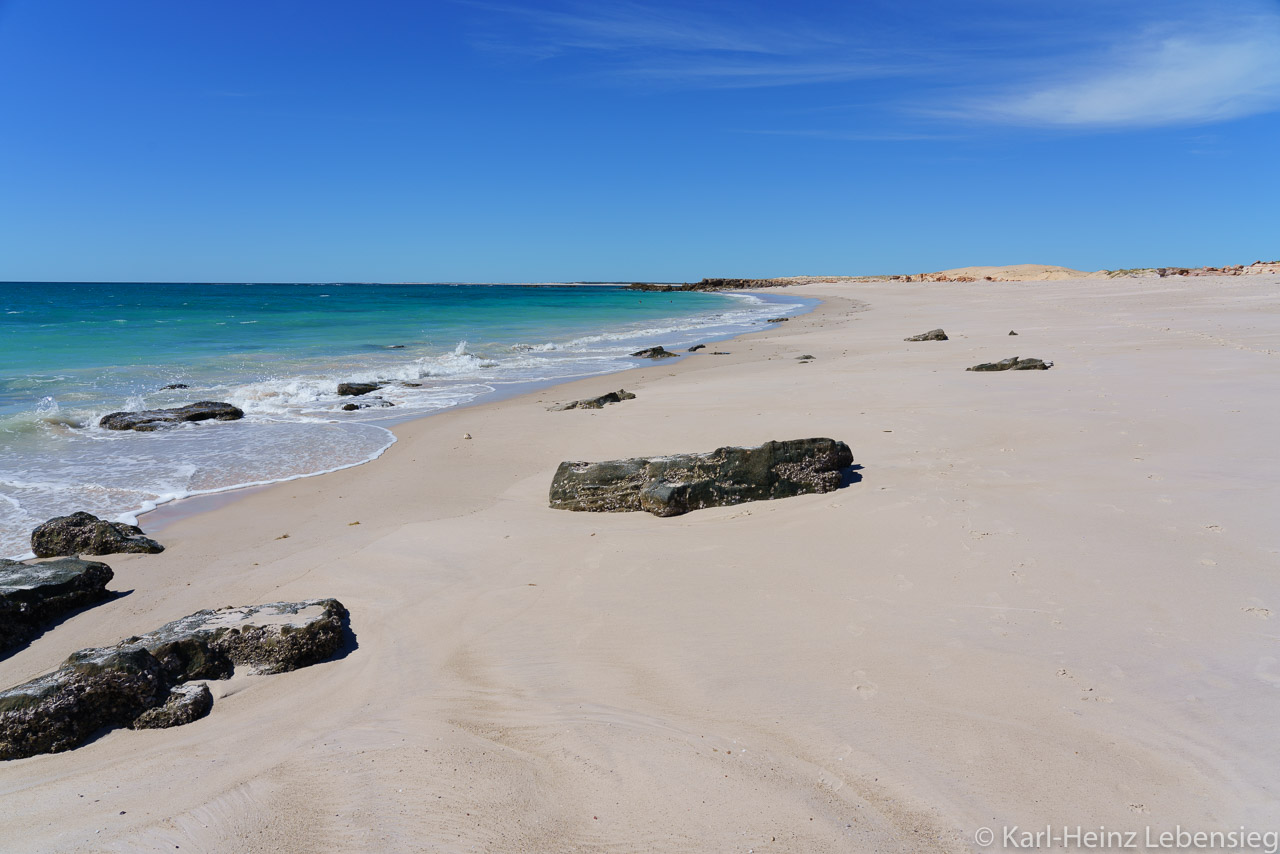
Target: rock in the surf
{"points": [[153, 419], [931, 335], [356, 389], [672, 485], [131, 683], [1013, 364], [658, 352], [594, 402], [84, 533], [35, 594]]}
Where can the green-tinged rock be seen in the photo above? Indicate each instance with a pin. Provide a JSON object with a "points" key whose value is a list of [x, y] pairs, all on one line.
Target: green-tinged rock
{"points": [[32, 594], [84, 533], [670, 486]]}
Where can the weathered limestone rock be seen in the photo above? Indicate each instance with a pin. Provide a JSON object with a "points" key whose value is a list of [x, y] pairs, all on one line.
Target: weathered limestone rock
{"points": [[186, 703], [655, 353], [153, 419], [670, 486], [594, 402], [32, 594], [931, 335], [84, 533], [356, 389], [1013, 364], [131, 683]]}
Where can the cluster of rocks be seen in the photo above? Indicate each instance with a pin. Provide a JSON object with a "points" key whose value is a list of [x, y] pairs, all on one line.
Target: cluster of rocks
{"points": [[150, 420], [711, 285], [594, 402], [140, 682], [672, 485], [1011, 364]]}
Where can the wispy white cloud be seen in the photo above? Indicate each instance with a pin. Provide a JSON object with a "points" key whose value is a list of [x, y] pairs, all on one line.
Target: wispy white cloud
{"points": [[1192, 73], [646, 41]]}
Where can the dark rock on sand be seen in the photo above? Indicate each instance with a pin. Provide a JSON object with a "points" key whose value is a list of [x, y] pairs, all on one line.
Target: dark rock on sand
{"points": [[153, 419], [356, 389], [171, 386], [131, 683], [1011, 332], [806, 358], [84, 533], [719, 353], [777, 320], [654, 353], [33, 594], [931, 335], [1013, 364], [696, 347], [186, 703], [670, 486], [594, 402]]}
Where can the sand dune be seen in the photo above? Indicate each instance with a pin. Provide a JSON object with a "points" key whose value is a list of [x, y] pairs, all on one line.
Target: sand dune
{"points": [[1049, 599]]}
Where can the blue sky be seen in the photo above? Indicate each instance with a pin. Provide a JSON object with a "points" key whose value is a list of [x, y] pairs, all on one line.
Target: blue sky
{"points": [[468, 140]]}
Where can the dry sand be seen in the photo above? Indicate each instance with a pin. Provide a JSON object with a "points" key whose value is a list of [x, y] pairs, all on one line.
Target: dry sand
{"points": [[1052, 598]]}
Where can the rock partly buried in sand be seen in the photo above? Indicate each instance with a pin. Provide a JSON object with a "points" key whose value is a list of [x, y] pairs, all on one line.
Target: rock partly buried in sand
{"points": [[806, 358], [654, 353], [357, 389], [594, 402], [669, 486], [33, 594], [696, 347], [153, 419], [131, 684], [84, 533], [931, 335], [1013, 364], [1011, 332], [777, 320]]}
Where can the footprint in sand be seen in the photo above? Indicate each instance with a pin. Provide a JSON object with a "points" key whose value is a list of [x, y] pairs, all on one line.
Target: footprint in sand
{"points": [[1260, 613], [866, 690]]}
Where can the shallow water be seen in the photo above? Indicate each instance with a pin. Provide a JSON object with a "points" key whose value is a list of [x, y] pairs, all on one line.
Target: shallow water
{"points": [[72, 352]]}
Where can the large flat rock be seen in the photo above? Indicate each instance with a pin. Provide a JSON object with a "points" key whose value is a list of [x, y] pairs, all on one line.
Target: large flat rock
{"points": [[672, 485], [34, 594], [149, 420], [139, 681]]}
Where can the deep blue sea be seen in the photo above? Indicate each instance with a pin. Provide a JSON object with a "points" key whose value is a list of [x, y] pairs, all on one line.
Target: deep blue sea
{"points": [[73, 352]]}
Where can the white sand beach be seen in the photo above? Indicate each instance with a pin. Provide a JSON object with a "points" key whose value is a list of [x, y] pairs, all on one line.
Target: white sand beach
{"points": [[1051, 598]]}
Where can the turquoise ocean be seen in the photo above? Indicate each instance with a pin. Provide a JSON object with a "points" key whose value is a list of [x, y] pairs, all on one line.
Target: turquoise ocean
{"points": [[73, 352]]}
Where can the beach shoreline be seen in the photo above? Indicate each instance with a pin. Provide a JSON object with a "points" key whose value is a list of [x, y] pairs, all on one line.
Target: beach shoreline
{"points": [[1045, 601]]}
